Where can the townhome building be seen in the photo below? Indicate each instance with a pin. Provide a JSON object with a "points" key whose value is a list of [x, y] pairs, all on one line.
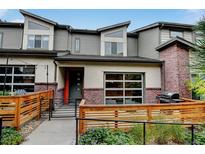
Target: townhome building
{"points": [[108, 65]]}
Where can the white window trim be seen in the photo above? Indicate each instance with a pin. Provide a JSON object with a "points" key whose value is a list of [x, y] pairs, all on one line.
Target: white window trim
{"points": [[114, 39], [124, 89], [41, 42]]}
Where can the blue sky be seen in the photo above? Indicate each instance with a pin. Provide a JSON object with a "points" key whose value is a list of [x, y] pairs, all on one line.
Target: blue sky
{"points": [[92, 19]]}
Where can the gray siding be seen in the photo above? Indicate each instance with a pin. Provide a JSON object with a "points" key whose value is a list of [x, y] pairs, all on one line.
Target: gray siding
{"points": [[61, 40], [147, 42], [12, 38], [89, 44], [165, 35], [131, 46]]}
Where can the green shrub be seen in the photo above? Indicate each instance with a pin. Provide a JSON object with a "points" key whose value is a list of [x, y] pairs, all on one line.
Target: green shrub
{"points": [[105, 136], [168, 134], [136, 132], [199, 136], [10, 137]]}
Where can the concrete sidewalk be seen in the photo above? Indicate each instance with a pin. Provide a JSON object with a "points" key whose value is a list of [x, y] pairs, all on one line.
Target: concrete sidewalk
{"points": [[54, 132]]}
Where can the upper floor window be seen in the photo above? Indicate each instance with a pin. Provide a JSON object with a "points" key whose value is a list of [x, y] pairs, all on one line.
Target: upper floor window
{"points": [[176, 33], [77, 45], [114, 48], [38, 41], [117, 34], [1, 39], [36, 26]]}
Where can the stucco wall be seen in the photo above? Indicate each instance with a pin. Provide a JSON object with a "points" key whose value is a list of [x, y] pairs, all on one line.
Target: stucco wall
{"points": [[12, 38], [40, 75], [94, 73]]}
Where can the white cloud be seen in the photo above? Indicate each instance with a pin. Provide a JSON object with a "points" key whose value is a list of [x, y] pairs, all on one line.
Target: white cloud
{"points": [[192, 16], [3, 12], [17, 20]]}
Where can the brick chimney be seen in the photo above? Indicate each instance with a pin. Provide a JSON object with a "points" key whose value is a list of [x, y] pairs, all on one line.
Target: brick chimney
{"points": [[175, 69]]}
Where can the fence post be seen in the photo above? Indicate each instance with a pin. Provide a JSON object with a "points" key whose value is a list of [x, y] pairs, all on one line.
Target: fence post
{"points": [[81, 115], [144, 133], [18, 107], [116, 116], [76, 131], [0, 129], [192, 134], [50, 109]]}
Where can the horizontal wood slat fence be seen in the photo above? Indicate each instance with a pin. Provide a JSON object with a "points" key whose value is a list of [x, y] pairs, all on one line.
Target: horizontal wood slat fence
{"points": [[189, 111], [17, 110]]}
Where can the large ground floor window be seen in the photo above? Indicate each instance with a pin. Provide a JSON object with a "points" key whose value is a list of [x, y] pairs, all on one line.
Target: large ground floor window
{"points": [[17, 77], [123, 88]]}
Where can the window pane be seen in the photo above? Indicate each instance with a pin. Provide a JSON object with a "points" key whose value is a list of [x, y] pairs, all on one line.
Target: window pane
{"points": [[7, 88], [8, 79], [45, 40], [77, 45], [107, 48], [114, 101], [1, 39], [114, 93], [24, 87], [120, 48], [133, 76], [133, 85], [133, 101], [32, 25], [23, 79], [118, 34], [114, 76], [176, 33], [133, 93], [24, 70], [114, 48], [3, 70], [31, 41], [114, 85], [37, 41]]}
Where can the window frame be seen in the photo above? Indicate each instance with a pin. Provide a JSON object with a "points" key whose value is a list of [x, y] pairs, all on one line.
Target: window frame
{"points": [[142, 81], [111, 52], [13, 75], [41, 40], [77, 51], [178, 31], [1, 39]]}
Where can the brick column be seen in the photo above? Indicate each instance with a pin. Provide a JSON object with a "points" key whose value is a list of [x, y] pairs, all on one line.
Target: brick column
{"points": [[175, 70]]}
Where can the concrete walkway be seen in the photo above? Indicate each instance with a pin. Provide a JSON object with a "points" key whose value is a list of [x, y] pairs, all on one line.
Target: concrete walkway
{"points": [[54, 132]]}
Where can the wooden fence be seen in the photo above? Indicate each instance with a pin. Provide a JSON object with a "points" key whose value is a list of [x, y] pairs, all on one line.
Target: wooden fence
{"points": [[16, 110], [189, 111]]}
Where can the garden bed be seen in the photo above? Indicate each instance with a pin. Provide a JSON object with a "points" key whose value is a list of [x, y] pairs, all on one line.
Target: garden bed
{"points": [[155, 135]]}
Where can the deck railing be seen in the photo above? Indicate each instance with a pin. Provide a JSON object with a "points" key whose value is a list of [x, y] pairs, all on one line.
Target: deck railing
{"points": [[189, 111], [17, 110]]}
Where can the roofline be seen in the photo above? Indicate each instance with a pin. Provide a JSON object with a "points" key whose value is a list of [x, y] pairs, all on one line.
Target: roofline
{"points": [[176, 39], [92, 58], [11, 24], [20, 52], [164, 24], [126, 23], [23, 12]]}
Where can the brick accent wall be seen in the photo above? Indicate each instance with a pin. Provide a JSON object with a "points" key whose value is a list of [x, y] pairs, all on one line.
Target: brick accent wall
{"points": [[43, 86], [150, 95], [94, 96], [176, 71]]}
